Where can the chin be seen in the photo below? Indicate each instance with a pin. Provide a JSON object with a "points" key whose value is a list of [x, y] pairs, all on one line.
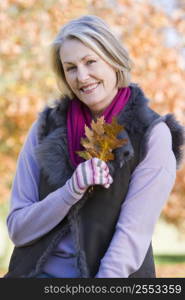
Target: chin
{"points": [[91, 102]]}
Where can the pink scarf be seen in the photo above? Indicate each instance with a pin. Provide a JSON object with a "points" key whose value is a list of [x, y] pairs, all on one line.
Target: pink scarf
{"points": [[79, 115]]}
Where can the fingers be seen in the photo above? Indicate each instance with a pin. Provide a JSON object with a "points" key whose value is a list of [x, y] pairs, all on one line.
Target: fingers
{"points": [[109, 182], [101, 173], [91, 172], [100, 163]]}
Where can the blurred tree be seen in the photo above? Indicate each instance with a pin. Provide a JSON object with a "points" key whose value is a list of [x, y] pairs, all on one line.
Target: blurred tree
{"points": [[28, 27]]}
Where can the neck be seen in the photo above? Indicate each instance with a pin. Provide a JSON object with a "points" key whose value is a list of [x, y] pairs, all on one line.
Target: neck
{"points": [[96, 114]]}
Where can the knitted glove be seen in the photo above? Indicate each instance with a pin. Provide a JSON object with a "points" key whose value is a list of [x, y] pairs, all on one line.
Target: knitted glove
{"points": [[91, 172]]}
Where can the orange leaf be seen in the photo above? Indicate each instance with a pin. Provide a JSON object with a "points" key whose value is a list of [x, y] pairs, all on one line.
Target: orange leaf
{"points": [[101, 139]]}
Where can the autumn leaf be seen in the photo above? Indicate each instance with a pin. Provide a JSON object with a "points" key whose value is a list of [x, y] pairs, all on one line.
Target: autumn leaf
{"points": [[101, 139]]}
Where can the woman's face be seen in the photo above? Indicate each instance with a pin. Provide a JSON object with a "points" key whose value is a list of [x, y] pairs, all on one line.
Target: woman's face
{"points": [[90, 78]]}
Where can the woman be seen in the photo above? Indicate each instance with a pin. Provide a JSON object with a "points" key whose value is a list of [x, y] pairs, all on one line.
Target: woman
{"points": [[106, 232]]}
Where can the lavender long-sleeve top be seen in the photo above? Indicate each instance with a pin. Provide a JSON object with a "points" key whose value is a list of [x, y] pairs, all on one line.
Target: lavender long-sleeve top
{"points": [[150, 186]]}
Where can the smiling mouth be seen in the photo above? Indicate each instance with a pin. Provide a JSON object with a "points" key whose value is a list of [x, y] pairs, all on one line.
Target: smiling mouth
{"points": [[89, 89]]}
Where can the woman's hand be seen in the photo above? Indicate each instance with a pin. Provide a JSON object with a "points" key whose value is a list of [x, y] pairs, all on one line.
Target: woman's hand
{"points": [[91, 172]]}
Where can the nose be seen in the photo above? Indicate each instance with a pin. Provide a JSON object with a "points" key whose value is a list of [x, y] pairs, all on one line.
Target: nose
{"points": [[82, 74]]}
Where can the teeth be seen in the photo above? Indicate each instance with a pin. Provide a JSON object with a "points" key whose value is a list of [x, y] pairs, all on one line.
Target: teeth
{"points": [[90, 87]]}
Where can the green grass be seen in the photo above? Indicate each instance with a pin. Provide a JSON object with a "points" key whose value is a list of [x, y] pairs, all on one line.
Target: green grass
{"points": [[169, 259]]}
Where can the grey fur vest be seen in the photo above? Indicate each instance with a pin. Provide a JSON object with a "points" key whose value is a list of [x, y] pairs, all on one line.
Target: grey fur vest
{"points": [[93, 219]]}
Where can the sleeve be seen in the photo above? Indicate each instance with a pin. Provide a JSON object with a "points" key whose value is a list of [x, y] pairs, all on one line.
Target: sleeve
{"points": [[29, 218], [150, 186]]}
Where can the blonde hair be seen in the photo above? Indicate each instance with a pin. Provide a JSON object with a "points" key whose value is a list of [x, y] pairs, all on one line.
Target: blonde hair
{"points": [[93, 32]]}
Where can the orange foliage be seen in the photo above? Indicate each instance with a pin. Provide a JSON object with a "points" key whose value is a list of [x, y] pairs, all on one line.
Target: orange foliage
{"points": [[28, 27]]}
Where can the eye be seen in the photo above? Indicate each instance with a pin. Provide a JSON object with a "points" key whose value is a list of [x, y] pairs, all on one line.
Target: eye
{"points": [[91, 61], [70, 68]]}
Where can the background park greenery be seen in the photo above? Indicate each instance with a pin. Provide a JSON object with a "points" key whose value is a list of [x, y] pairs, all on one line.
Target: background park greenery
{"points": [[154, 35]]}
